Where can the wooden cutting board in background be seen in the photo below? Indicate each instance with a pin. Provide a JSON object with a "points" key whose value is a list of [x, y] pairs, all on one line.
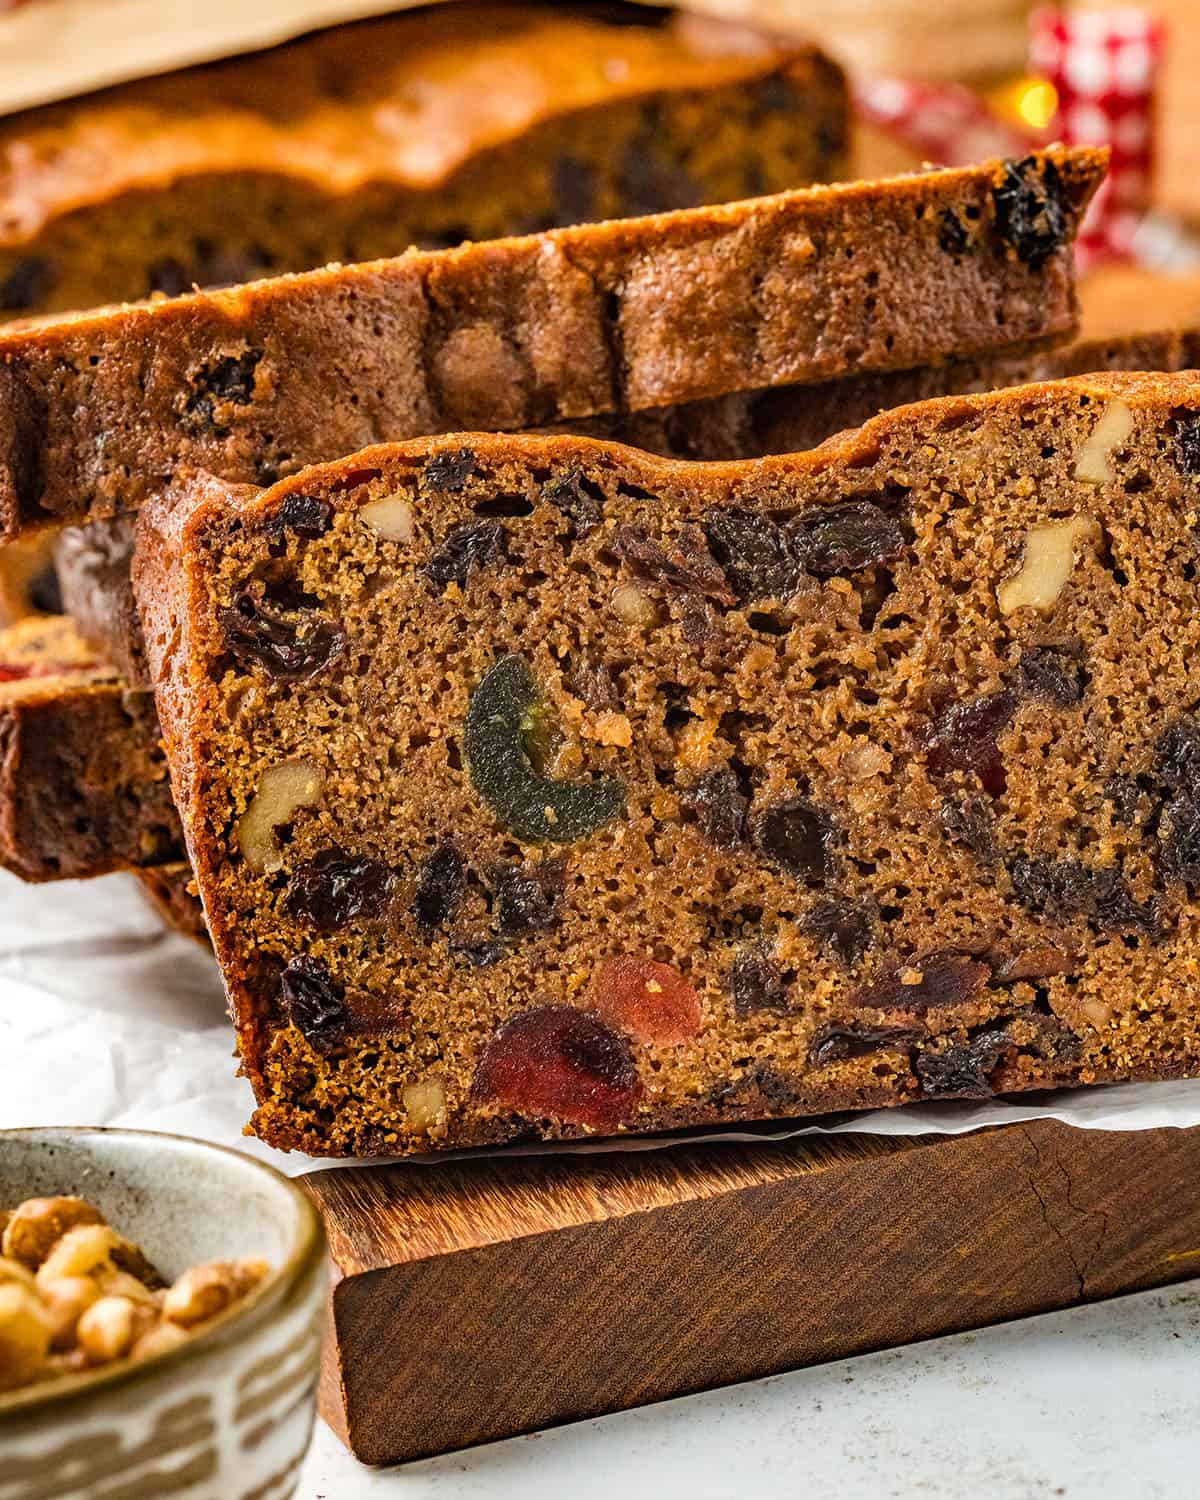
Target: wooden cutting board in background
{"points": [[477, 1300]]}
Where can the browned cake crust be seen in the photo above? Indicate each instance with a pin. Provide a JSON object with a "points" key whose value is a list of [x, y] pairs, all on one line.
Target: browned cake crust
{"points": [[538, 787], [93, 561], [99, 411], [83, 781], [465, 123]]}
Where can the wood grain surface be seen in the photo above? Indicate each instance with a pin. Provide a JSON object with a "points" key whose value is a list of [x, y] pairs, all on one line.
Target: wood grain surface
{"points": [[480, 1299]]}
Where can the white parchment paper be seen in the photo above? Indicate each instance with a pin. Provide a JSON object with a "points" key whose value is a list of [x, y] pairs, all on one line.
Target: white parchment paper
{"points": [[106, 1019]]}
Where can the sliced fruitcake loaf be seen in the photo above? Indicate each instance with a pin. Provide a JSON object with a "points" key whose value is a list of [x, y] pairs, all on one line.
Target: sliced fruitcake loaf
{"points": [[427, 128], [535, 786], [83, 779], [99, 411]]}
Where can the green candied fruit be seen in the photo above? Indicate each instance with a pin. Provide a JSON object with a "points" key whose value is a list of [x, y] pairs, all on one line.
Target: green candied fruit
{"points": [[506, 729]]}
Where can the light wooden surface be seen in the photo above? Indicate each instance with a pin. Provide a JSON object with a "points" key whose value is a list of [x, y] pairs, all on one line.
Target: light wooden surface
{"points": [[478, 1300]]}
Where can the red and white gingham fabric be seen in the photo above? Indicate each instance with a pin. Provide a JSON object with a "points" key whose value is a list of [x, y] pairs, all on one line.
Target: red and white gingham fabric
{"points": [[1104, 67]]}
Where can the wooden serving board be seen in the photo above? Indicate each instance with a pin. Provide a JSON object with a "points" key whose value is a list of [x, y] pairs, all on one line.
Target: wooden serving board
{"points": [[480, 1299]]}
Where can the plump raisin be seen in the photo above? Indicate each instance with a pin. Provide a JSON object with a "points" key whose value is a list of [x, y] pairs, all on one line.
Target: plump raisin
{"points": [[536, 808], [1126, 796], [1029, 210], [720, 806], [926, 983], [649, 1000], [847, 929], [480, 953], [527, 897], [581, 501], [29, 282], [593, 682], [963, 737], [755, 552], [469, 545], [953, 234], [228, 381], [306, 515], [1181, 839], [963, 1072], [969, 820], [1187, 444], [798, 837], [335, 888], [756, 982], [1065, 888], [449, 471], [312, 1000], [836, 1042], [686, 566], [439, 887], [1177, 759], [289, 644], [1051, 675], [1032, 963], [561, 1064], [837, 539]]}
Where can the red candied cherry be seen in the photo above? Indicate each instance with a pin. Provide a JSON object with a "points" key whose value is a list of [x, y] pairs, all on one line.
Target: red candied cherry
{"points": [[560, 1063], [651, 1001]]}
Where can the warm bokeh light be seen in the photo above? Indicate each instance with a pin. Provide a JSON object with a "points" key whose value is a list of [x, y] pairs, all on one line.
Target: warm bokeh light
{"points": [[1036, 102]]}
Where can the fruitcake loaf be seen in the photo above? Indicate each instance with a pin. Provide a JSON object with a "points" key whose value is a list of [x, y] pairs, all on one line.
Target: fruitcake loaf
{"points": [[468, 122], [538, 787], [83, 780], [101, 410], [92, 561]]}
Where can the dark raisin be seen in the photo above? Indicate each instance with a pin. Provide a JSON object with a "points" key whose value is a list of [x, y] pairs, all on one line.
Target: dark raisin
{"points": [[469, 545], [1177, 760], [306, 515], [29, 282], [312, 1000], [1065, 888], [581, 501], [699, 623], [837, 539], [953, 234], [756, 982], [228, 381], [335, 888], [1032, 963], [593, 682], [439, 887], [848, 929], [259, 635], [527, 897], [560, 1063], [686, 565], [947, 978], [1181, 839], [573, 188], [963, 1072], [763, 1084], [969, 820], [797, 836], [1029, 210], [755, 552], [1052, 675], [963, 738], [480, 953], [1187, 444], [1126, 795], [720, 806], [536, 808], [836, 1043], [449, 471]]}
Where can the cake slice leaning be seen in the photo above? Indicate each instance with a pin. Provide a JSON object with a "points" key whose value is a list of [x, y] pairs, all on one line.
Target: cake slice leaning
{"points": [[536, 787]]}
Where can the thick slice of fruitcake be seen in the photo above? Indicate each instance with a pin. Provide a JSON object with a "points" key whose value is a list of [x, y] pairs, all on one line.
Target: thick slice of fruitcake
{"points": [[537, 787], [99, 411]]}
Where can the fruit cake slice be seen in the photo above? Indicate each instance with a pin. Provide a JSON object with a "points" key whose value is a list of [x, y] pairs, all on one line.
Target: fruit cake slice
{"points": [[535, 786], [461, 122], [83, 779], [99, 411]]}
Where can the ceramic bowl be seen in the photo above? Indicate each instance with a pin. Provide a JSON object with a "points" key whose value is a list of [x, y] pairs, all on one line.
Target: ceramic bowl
{"points": [[226, 1415]]}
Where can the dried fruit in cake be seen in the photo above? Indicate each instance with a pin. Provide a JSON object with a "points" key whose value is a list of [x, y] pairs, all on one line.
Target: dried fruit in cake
{"points": [[765, 920]]}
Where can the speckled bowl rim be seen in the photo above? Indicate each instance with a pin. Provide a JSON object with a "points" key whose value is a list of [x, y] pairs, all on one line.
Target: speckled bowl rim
{"points": [[307, 1253]]}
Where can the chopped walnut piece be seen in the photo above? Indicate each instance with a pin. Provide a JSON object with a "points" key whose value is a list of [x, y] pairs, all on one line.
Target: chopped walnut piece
{"points": [[1114, 427], [425, 1104], [633, 605], [390, 517], [1049, 558], [282, 790]]}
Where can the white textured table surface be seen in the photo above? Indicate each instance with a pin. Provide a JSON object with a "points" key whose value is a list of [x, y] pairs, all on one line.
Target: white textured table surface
{"points": [[1099, 1403]]}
